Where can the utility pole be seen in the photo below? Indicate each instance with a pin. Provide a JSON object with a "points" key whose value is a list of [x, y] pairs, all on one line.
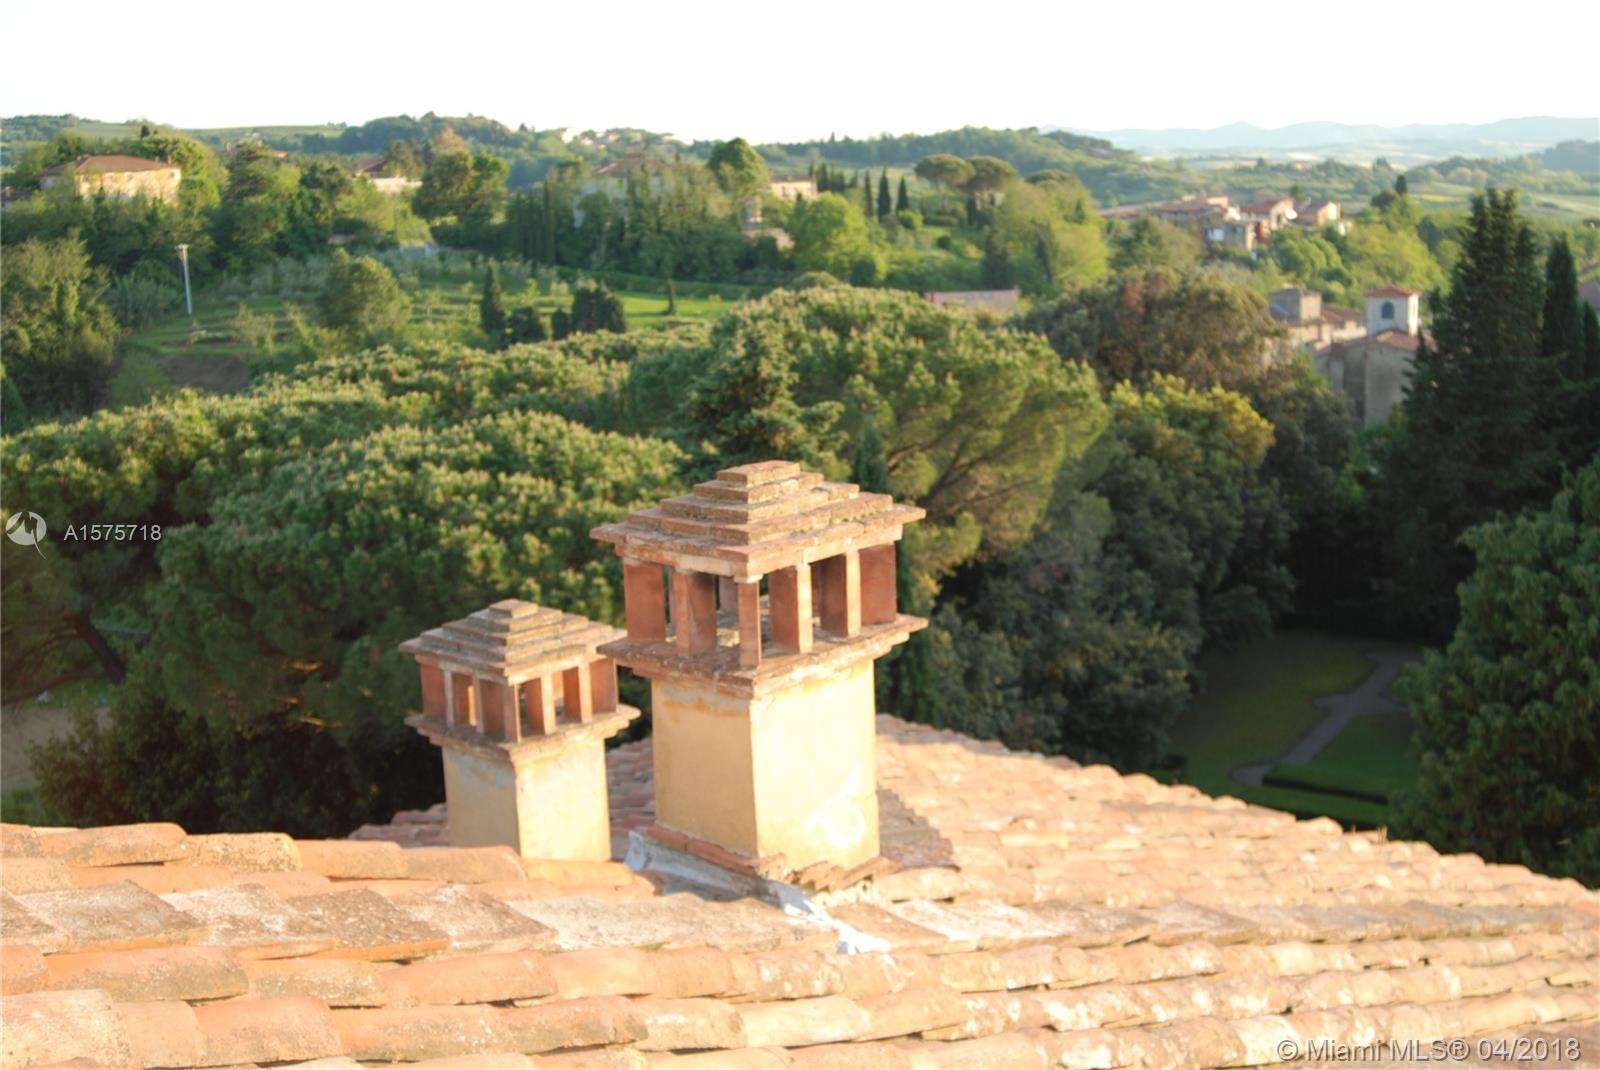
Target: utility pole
{"points": [[183, 258]]}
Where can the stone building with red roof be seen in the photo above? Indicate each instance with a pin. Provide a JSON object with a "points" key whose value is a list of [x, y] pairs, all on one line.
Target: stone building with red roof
{"points": [[117, 176]]}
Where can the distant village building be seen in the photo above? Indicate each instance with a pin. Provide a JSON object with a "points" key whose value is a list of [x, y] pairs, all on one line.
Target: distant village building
{"points": [[1217, 221], [1003, 302], [1373, 371], [117, 176], [793, 187], [630, 165], [1308, 322], [372, 170]]}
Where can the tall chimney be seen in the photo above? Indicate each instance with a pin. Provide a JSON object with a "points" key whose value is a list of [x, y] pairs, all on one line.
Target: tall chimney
{"points": [[782, 595], [520, 702]]}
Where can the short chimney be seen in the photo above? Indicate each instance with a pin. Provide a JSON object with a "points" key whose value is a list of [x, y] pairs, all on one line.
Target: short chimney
{"points": [[782, 595], [520, 702]]}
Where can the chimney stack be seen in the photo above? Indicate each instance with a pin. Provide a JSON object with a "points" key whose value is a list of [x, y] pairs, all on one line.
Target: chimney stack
{"points": [[520, 702], [782, 592]]}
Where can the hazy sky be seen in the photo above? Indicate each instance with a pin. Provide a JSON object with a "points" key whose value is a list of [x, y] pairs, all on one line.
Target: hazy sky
{"points": [[799, 70]]}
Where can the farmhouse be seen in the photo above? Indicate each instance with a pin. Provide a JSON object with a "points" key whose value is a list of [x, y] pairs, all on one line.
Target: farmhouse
{"points": [[778, 877], [374, 169], [116, 176], [793, 187]]}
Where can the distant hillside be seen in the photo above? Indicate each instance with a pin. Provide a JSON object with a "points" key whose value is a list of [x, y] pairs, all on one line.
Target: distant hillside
{"points": [[1414, 143]]}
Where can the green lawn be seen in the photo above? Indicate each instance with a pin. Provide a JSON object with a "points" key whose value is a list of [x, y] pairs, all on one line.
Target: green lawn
{"points": [[1256, 703]]}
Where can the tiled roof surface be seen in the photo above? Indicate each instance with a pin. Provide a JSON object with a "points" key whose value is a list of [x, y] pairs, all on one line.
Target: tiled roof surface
{"points": [[84, 165], [1043, 915], [1393, 291]]}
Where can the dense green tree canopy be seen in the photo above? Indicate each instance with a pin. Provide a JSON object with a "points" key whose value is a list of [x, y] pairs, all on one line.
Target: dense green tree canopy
{"points": [[56, 334], [1508, 714], [362, 301], [830, 234], [976, 423]]}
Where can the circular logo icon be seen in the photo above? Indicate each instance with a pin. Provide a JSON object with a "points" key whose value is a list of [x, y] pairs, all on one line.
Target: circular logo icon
{"points": [[25, 529]]}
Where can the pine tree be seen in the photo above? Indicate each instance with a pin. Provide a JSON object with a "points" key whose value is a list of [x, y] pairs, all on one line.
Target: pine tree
{"points": [[902, 200], [885, 201], [492, 308], [1482, 412]]}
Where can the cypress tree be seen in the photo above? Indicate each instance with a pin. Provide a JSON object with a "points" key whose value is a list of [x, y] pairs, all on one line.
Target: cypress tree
{"points": [[1400, 185], [1561, 333], [902, 201], [492, 308], [560, 324], [885, 202], [972, 210], [672, 297], [866, 198], [525, 325], [548, 252], [1483, 410]]}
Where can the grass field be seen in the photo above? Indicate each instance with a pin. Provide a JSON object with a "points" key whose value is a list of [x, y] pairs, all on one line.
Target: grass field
{"points": [[206, 352], [1258, 701]]}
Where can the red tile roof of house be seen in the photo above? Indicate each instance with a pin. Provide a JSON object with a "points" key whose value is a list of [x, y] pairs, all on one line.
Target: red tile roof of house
{"points": [[1392, 291], [1398, 340], [87, 165], [1043, 914]]}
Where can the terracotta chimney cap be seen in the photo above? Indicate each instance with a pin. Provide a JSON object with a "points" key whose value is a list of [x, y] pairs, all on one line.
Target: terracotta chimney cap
{"points": [[755, 518]]}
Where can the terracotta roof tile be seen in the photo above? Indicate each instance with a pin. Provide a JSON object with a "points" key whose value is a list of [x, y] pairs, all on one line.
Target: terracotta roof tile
{"points": [[248, 852], [673, 1024], [163, 1034], [416, 1033], [473, 921], [162, 973], [111, 917], [287, 885], [18, 841], [52, 1028], [364, 925], [800, 1022], [156, 879], [491, 978], [573, 1023], [267, 1030], [352, 858], [252, 922], [21, 970], [19, 925], [673, 921], [463, 865], [337, 982], [913, 1011], [22, 875], [119, 845]]}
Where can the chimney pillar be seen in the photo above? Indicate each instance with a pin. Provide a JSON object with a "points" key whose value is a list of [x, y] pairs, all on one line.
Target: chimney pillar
{"points": [[519, 769], [766, 754]]}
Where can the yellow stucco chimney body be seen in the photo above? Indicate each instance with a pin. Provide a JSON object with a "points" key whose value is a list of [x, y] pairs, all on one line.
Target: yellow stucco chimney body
{"points": [[756, 607], [520, 702]]}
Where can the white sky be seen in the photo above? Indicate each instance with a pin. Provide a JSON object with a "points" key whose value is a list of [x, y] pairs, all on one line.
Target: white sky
{"points": [[790, 71]]}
